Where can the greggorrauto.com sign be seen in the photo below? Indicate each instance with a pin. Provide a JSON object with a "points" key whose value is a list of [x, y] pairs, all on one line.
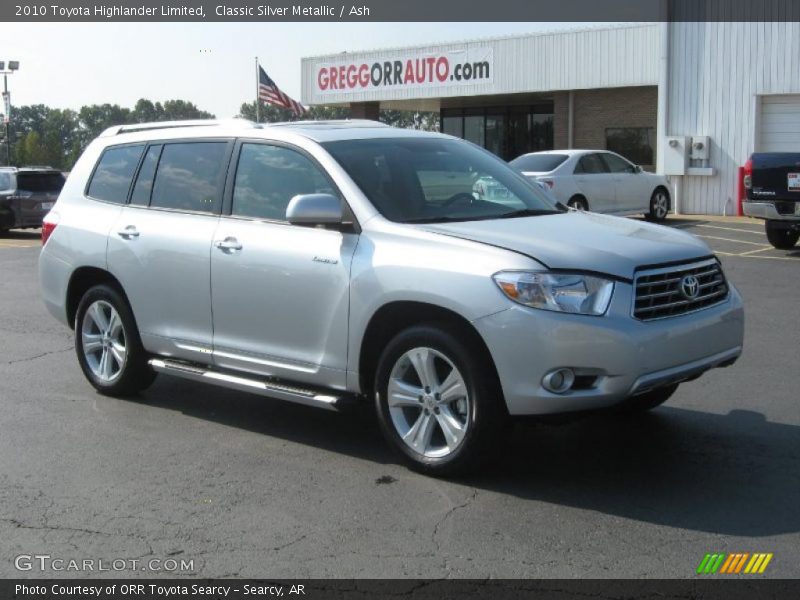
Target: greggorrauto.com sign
{"points": [[424, 70]]}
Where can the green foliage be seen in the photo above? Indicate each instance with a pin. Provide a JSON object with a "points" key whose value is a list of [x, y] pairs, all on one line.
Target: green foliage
{"points": [[51, 136], [56, 137], [427, 121]]}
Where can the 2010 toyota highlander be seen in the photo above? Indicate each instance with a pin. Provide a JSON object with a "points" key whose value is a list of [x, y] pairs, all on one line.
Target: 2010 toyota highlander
{"points": [[328, 262]]}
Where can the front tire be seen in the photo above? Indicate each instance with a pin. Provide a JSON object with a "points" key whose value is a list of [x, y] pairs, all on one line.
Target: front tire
{"points": [[108, 345], [647, 401], [782, 239], [659, 205], [438, 400]]}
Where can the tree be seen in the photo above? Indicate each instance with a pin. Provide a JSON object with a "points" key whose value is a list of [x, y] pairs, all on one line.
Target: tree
{"points": [[31, 149], [427, 121], [63, 134]]}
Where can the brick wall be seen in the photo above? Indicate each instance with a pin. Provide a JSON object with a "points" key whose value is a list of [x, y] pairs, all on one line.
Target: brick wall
{"points": [[595, 110], [560, 118]]}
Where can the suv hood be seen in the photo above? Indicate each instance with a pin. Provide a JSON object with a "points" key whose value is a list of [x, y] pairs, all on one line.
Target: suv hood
{"points": [[582, 241]]}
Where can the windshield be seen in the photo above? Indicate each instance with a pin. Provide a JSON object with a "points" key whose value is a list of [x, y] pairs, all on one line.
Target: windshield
{"points": [[416, 180], [538, 163]]}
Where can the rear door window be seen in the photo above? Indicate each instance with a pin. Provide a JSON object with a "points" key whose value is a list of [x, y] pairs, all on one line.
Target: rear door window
{"points": [[189, 176], [112, 177]]}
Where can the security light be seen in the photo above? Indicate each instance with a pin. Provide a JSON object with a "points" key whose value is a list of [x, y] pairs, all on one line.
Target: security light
{"points": [[13, 65], [2, 65]]}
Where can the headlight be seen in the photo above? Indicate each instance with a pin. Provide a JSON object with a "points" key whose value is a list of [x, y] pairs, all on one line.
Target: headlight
{"points": [[564, 292]]}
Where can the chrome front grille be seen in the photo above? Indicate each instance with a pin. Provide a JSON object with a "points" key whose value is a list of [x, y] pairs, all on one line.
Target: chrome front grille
{"points": [[667, 292]]}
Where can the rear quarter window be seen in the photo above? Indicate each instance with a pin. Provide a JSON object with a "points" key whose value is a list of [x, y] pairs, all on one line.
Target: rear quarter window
{"points": [[112, 176]]}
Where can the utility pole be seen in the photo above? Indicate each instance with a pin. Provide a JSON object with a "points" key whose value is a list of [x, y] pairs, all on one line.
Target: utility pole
{"points": [[13, 65], [7, 117]]}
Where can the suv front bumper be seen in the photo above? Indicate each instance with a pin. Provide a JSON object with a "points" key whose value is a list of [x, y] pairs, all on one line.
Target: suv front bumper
{"points": [[613, 357]]}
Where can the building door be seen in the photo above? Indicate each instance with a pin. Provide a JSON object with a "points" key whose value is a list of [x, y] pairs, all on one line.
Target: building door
{"points": [[780, 124]]}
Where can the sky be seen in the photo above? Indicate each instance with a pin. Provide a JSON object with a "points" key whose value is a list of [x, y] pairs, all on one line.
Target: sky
{"points": [[67, 65]]}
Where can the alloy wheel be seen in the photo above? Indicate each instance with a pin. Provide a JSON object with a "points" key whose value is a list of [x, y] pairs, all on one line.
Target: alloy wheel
{"points": [[103, 341], [429, 403], [660, 205]]}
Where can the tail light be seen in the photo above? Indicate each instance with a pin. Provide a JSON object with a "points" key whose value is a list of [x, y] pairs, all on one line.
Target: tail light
{"points": [[49, 226], [748, 174]]}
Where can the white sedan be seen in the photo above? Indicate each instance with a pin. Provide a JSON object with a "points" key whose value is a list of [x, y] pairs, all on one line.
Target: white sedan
{"points": [[598, 180]]}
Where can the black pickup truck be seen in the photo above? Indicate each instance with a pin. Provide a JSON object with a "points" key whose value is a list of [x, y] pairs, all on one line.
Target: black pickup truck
{"points": [[772, 182]]}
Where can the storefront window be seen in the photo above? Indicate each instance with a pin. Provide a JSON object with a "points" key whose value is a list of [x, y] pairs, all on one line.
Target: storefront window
{"points": [[496, 134], [541, 132], [453, 126], [473, 129], [508, 132], [634, 143]]}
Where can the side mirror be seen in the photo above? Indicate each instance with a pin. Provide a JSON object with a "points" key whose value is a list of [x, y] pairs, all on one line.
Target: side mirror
{"points": [[637, 168], [314, 209]]}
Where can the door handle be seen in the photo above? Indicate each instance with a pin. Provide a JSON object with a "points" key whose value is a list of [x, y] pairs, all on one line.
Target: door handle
{"points": [[229, 244], [128, 233]]}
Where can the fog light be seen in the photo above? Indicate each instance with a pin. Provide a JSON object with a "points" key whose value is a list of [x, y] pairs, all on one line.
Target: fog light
{"points": [[559, 380]]}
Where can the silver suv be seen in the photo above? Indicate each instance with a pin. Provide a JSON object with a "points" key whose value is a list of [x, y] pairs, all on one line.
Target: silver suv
{"points": [[328, 263]]}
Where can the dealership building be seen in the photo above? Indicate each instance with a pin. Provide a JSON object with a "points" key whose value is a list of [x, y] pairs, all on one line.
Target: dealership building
{"points": [[689, 100]]}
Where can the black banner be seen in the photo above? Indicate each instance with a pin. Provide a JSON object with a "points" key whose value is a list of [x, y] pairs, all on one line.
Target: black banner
{"points": [[405, 11], [412, 589]]}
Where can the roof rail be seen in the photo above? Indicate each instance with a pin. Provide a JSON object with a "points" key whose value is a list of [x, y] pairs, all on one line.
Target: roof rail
{"points": [[133, 127], [347, 122]]}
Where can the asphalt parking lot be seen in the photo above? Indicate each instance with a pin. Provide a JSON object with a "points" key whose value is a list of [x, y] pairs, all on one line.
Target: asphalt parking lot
{"points": [[250, 487]]}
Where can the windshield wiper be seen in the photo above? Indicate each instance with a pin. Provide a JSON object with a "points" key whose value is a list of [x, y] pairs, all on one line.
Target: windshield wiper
{"points": [[436, 219], [527, 212]]}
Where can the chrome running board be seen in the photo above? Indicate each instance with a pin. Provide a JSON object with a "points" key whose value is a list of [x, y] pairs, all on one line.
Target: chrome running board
{"points": [[262, 387]]}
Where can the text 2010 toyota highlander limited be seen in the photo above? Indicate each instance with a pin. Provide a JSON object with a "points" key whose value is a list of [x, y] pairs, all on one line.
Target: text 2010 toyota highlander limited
{"points": [[326, 262]]}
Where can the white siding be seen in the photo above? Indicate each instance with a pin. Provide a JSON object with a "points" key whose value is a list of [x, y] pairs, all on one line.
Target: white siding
{"points": [[590, 58], [718, 75], [779, 125]]}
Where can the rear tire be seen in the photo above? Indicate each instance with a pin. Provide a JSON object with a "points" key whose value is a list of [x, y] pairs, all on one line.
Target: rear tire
{"points": [[647, 401], [780, 238], [438, 400], [108, 345], [659, 206], [578, 203]]}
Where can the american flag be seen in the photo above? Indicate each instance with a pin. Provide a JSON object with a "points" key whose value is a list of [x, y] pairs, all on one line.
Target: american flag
{"points": [[270, 93]]}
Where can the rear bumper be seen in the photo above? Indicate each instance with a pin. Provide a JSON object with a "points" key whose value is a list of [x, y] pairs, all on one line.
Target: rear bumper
{"points": [[766, 210], [616, 356]]}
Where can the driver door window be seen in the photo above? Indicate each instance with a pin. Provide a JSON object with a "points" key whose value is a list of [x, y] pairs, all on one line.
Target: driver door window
{"points": [[268, 177]]}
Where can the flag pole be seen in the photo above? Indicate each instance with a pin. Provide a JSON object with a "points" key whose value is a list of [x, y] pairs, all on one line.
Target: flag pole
{"points": [[258, 102]]}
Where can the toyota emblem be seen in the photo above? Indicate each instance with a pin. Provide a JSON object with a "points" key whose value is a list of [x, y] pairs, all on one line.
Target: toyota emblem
{"points": [[690, 287]]}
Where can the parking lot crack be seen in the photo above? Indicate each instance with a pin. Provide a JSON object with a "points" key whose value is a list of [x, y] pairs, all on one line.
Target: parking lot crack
{"points": [[30, 358], [290, 543], [436, 528], [72, 530]]}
